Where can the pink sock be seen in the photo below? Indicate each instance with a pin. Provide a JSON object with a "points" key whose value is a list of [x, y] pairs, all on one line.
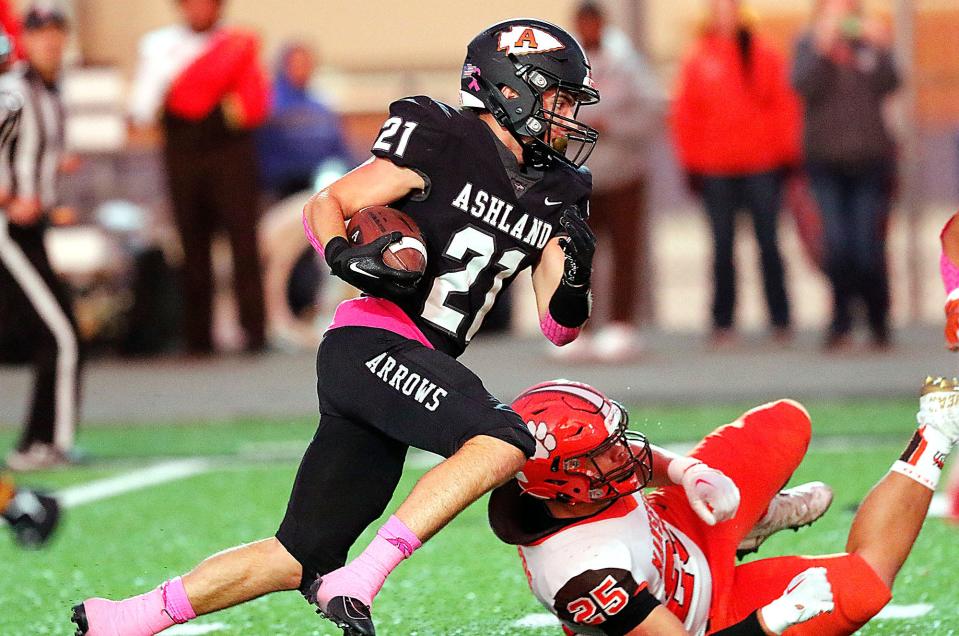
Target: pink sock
{"points": [[142, 615], [950, 273], [363, 577], [176, 602]]}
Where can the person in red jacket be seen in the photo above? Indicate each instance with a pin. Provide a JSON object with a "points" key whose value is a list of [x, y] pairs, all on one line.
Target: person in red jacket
{"points": [[203, 82], [736, 127]]}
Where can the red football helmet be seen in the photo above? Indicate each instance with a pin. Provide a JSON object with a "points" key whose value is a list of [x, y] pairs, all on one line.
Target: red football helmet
{"points": [[583, 453]]}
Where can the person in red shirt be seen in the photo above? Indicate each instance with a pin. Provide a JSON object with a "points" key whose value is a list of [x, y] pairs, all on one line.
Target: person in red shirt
{"points": [[736, 127], [200, 80]]}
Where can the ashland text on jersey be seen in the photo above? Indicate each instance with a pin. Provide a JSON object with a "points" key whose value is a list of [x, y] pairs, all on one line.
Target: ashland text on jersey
{"points": [[484, 219]]}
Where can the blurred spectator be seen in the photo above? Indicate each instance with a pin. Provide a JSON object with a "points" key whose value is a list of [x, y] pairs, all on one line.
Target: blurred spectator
{"points": [[206, 80], [302, 131], [627, 118], [843, 70], [36, 316], [736, 123]]}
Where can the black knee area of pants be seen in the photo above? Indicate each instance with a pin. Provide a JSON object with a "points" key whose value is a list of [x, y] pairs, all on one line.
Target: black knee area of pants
{"points": [[507, 426], [313, 559], [309, 572], [344, 483]]}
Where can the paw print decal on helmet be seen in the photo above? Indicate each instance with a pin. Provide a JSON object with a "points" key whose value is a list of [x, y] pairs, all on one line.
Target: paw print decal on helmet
{"points": [[545, 441]]}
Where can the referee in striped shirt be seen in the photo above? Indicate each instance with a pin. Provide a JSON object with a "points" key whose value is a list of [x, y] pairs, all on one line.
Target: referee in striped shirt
{"points": [[37, 325]]}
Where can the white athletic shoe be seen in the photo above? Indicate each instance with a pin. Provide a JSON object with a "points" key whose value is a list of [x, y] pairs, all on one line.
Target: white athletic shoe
{"points": [[791, 509], [939, 406], [617, 342], [37, 457]]}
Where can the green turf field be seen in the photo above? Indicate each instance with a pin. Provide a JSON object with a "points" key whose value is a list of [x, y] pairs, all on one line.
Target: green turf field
{"points": [[462, 582]]}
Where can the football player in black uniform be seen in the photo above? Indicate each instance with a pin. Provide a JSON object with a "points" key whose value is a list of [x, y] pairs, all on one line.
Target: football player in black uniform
{"points": [[496, 187]]}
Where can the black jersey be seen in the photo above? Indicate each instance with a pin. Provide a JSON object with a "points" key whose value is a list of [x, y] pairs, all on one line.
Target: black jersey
{"points": [[484, 220]]}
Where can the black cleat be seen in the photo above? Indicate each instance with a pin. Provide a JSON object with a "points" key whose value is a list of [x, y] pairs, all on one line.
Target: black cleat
{"points": [[33, 516], [79, 617], [346, 612]]}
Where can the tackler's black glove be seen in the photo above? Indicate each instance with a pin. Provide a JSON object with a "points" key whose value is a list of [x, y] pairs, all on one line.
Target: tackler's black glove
{"points": [[579, 245], [362, 266]]}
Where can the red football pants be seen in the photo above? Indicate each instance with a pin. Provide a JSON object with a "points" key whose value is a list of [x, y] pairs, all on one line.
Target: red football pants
{"points": [[759, 452]]}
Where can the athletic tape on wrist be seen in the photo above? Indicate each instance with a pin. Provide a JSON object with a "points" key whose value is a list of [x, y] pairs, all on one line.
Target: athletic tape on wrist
{"points": [[678, 467]]}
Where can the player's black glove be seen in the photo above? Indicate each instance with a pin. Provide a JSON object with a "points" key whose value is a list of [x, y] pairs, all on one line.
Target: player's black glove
{"points": [[579, 246], [362, 266]]}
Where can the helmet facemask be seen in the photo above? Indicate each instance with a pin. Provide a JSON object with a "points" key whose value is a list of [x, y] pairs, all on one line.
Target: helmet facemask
{"points": [[553, 134], [620, 466], [544, 134]]}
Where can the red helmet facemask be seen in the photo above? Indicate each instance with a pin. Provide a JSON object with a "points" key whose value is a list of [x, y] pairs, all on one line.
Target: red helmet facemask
{"points": [[584, 453]]}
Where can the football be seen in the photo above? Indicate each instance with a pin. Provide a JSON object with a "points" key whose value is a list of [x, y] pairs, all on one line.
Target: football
{"points": [[370, 223]]}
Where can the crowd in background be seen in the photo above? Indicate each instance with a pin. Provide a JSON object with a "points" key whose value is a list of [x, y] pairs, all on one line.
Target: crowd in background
{"points": [[747, 124], [737, 120]]}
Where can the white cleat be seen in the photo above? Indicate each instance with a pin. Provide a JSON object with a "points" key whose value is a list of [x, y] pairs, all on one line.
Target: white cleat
{"points": [[939, 406], [790, 509]]}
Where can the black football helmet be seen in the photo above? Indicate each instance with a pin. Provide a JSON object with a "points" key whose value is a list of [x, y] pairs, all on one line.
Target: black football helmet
{"points": [[532, 57]]}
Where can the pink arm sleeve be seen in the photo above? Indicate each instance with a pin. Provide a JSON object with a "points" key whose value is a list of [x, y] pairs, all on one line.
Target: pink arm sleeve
{"points": [[557, 333]]}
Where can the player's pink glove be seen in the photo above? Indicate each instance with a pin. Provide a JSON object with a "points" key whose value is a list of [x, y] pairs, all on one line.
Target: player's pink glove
{"points": [[712, 495], [952, 320], [808, 595]]}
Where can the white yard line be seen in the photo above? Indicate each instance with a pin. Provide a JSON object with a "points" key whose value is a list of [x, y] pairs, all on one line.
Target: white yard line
{"points": [[541, 620], [176, 469], [135, 480]]}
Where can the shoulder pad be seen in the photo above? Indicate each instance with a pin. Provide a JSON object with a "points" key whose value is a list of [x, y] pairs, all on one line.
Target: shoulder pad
{"points": [[417, 134]]}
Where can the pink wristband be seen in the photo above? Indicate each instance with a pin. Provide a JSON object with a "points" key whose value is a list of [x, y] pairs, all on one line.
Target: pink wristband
{"points": [[557, 333]]}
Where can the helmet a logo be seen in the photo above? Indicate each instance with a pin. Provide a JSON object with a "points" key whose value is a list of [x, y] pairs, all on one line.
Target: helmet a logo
{"points": [[545, 441], [522, 40]]}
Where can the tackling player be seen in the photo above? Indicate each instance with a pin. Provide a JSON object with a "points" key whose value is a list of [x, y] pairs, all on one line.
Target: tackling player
{"points": [[496, 188], [609, 559]]}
